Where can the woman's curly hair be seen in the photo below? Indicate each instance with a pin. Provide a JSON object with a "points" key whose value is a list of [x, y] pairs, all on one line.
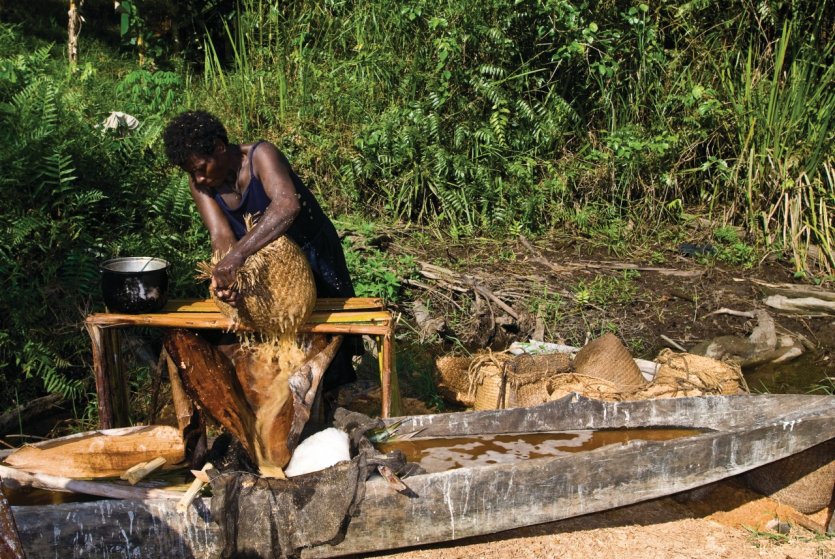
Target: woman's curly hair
{"points": [[192, 132]]}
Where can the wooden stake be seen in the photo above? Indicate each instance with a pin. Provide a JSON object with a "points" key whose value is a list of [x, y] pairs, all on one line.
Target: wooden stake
{"points": [[194, 489], [143, 469]]}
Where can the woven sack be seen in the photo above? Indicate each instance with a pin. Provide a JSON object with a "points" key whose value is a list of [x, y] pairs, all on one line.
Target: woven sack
{"points": [[590, 387], [453, 378], [606, 358], [276, 290], [804, 481], [527, 377], [684, 374], [485, 381]]}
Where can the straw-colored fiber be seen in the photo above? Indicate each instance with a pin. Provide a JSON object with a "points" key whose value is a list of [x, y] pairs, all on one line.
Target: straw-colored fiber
{"points": [[683, 374], [527, 377], [276, 290], [453, 378], [485, 381], [590, 387], [608, 359]]}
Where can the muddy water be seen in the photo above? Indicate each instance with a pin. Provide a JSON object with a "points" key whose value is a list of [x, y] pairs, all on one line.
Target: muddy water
{"points": [[29, 496], [800, 376], [447, 453]]}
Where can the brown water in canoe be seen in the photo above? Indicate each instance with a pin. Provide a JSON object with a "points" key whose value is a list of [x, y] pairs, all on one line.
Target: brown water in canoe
{"points": [[447, 453]]}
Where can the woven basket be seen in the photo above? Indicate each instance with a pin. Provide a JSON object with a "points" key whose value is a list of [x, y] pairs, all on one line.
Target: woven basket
{"points": [[453, 380], [804, 481], [276, 289], [606, 358]]}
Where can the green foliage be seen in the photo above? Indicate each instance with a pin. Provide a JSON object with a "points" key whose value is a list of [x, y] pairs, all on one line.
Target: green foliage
{"points": [[376, 273], [74, 196], [731, 249], [607, 290]]}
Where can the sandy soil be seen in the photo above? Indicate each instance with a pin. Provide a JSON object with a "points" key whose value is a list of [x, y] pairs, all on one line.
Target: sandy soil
{"points": [[712, 526]]}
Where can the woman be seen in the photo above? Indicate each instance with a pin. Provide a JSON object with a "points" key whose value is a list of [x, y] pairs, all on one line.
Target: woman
{"points": [[231, 181]]}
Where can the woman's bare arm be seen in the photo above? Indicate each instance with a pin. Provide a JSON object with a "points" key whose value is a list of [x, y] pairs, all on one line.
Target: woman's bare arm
{"points": [[272, 169]]}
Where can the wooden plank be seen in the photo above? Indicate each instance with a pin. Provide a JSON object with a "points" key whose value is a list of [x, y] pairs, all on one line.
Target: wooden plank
{"points": [[104, 390], [751, 431], [215, 320], [98, 454]]}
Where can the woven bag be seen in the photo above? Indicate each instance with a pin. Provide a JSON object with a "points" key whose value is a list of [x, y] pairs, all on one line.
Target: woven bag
{"points": [[685, 374], [608, 359], [453, 378]]}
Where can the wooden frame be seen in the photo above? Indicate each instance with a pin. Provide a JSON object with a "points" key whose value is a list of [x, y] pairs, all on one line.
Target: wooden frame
{"points": [[356, 315]]}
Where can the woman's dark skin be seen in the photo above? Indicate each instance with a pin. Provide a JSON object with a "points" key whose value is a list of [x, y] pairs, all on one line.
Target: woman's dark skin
{"points": [[226, 171]]}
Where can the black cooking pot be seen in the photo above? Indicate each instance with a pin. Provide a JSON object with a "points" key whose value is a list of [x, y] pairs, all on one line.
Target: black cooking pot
{"points": [[135, 284]]}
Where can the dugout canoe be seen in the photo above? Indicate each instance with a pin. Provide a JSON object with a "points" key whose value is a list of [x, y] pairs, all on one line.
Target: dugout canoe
{"points": [[738, 433]]}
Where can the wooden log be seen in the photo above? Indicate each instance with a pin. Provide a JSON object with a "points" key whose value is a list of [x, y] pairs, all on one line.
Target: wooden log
{"points": [[10, 546], [13, 479], [207, 376], [25, 413], [741, 433], [97, 454]]}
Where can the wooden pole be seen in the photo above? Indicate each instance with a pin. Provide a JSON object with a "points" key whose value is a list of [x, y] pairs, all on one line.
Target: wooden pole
{"points": [[73, 30], [103, 391], [120, 390], [11, 476]]}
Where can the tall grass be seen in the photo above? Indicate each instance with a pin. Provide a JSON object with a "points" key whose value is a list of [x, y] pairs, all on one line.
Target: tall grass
{"points": [[519, 116]]}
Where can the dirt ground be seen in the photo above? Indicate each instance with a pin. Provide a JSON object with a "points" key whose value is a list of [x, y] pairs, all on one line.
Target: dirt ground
{"points": [[587, 291]]}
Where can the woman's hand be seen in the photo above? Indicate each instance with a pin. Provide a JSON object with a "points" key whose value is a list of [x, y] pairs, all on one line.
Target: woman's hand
{"points": [[224, 276]]}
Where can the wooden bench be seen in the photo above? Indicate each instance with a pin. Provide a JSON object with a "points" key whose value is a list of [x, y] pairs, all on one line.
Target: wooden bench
{"points": [[357, 315]]}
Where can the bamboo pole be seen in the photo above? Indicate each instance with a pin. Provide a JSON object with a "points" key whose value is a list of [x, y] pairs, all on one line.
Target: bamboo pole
{"points": [[10, 476], [217, 320]]}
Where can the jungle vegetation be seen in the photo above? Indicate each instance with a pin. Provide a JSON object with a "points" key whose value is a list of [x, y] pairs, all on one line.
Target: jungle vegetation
{"points": [[496, 117]]}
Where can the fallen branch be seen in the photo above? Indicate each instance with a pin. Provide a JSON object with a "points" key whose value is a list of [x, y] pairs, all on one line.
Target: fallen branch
{"points": [[732, 312], [673, 343], [11, 421], [448, 277], [608, 266], [12, 478]]}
